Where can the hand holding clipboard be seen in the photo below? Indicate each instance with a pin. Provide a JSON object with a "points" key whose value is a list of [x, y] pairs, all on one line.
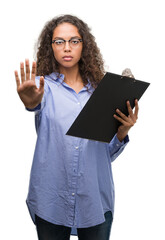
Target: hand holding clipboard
{"points": [[96, 120]]}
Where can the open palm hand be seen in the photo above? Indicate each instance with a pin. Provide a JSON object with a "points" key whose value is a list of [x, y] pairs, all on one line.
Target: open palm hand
{"points": [[27, 90]]}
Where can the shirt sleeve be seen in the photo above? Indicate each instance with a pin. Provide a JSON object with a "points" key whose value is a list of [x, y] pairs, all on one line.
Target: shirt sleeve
{"points": [[116, 147], [41, 105]]}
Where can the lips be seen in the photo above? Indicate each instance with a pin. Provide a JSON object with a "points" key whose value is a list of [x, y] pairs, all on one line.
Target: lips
{"points": [[67, 58]]}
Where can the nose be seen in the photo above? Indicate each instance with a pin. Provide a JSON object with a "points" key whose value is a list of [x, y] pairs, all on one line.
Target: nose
{"points": [[67, 47]]}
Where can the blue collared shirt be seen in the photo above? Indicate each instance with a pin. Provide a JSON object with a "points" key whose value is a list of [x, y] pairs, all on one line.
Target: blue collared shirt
{"points": [[71, 182]]}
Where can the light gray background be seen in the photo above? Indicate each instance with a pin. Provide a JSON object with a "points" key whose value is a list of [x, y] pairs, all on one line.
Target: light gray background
{"points": [[130, 33]]}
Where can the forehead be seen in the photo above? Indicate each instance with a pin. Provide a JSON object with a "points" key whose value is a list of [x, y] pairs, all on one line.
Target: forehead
{"points": [[66, 31]]}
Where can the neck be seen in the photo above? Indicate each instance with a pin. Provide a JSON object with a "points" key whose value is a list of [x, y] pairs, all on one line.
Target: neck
{"points": [[72, 75]]}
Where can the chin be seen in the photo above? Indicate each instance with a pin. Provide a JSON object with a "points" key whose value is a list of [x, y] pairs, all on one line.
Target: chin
{"points": [[69, 65]]}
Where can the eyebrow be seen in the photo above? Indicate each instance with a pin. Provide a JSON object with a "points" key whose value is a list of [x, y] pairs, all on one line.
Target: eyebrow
{"points": [[69, 39]]}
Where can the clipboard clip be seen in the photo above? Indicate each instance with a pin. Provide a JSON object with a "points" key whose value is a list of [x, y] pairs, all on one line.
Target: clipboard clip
{"points": [[127, 73], [131, 77]]}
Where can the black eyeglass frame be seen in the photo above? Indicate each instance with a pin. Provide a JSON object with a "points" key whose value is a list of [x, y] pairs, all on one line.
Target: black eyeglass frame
{"points": [[53, 41]]}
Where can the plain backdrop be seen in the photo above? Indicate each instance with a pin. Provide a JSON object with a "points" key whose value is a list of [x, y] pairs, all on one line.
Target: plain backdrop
{"points": [[130, 33]]}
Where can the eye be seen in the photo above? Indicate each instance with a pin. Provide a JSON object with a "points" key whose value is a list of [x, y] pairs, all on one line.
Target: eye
{"points": [[74, 41], [59, 42]]}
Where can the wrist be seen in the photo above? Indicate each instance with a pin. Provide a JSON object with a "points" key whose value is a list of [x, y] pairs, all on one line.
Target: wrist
{"points": [[32, 108], [31, 105], [121, 136]]}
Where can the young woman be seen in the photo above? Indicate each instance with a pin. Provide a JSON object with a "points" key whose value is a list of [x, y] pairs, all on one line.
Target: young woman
{"points": [[71, 187]]}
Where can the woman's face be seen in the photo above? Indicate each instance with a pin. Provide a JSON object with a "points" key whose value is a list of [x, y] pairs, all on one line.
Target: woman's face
{"points": [[66, 54]]}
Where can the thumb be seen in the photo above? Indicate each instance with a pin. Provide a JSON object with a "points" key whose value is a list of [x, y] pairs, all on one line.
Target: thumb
{"points": [[41, 83]]}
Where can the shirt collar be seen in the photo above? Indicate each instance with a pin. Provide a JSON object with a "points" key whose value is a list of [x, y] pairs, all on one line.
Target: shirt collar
{"points": [[59, 78]]}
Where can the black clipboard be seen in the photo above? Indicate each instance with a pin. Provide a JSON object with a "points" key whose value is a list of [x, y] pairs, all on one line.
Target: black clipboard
{"points": [[96, 121]]}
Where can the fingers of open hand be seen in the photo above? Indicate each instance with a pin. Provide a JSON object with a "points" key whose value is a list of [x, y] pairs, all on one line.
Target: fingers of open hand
{"points": [[27, 69], [33, 73], [25, 73], [22, 72], [41, 88], [17, 79]]}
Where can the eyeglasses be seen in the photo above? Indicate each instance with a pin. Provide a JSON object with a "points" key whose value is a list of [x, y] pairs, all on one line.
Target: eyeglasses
{"points": [[73, 42]]}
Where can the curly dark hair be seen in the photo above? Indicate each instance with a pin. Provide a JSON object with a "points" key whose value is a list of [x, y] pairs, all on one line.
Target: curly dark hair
{"points": [[91, 64]]}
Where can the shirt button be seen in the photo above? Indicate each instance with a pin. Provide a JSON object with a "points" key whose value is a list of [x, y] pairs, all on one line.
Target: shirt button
{"points": [[117, 145], [73, 194], [76, 147], [78, 103]]}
